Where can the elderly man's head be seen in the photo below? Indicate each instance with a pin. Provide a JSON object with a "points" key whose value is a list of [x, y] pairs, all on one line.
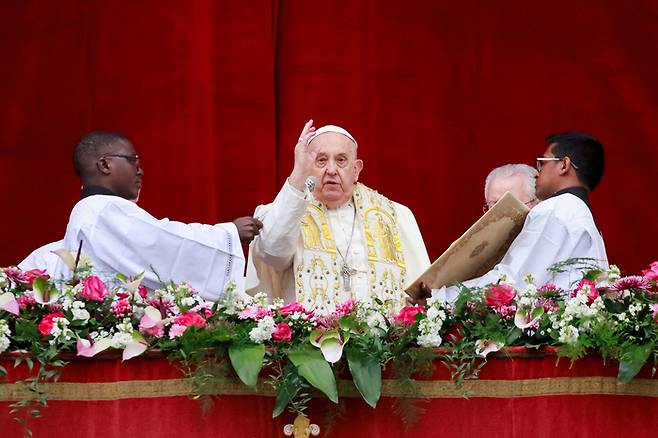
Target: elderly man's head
{"points": [[108, 159], [336, 167], [519, 179]]}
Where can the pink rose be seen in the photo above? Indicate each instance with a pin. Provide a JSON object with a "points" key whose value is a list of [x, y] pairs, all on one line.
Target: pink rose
{"points": [[499, 295], [291, 308], [94, 289], [407, 315], [46, 325], [649, 274], [592, 294], [176, 330], [282, 332], [189, 319]]}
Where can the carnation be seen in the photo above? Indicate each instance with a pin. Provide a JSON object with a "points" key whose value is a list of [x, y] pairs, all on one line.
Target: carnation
{"points": [[407, 315]]}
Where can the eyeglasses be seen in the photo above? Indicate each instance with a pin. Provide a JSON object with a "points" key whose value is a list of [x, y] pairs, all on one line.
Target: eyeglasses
{"points": [[487, 207], [540, 161], [134, 159]]}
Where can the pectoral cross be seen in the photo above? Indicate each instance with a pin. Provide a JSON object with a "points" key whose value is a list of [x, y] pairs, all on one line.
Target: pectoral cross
{"points": [[346, 272]]}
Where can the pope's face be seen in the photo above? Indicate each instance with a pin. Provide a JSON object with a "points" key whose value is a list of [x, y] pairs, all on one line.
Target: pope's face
{"points": [[336, 168]]}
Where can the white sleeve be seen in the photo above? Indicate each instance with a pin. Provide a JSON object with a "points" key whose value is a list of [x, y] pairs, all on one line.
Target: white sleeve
{"points": [[413, 246], [279, 237], [539, 245], [129, 240]]}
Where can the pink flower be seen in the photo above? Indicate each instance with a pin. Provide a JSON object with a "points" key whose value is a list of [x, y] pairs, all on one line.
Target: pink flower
{"points": [[548, 304], [25, 277], [25, 301], [156, 331], [548, 289], [291, 308], [499, 295], [94, 289], [255, 313], [632, 282], [46, 325], [346, 307], [592, 293], [282, 332], [121, 307], [176, 330], [407, 315], [189, 319], [649, 274]]}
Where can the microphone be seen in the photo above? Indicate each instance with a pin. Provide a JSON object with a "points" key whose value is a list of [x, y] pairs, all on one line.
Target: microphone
{"points": [[310, 183]]}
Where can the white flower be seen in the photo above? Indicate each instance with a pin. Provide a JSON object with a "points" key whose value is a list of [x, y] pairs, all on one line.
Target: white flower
{"points": [[430, 340], [61, 330], [568, 335], [263, 331], [4, 328], [188, 301], [4, 281], [80, 315], [432, 313], [4, 343], [121, 339], [376, 322]]}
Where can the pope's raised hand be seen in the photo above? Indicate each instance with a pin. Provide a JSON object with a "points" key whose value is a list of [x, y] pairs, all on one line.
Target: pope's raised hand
{"points": [[304, 157]]}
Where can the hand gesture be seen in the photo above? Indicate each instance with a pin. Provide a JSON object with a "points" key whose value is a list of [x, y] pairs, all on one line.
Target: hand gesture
{"points": [[248, 228], [421, 296], [304, 157]]}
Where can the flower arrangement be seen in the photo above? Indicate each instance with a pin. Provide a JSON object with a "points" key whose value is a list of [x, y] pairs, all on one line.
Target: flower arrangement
{"points": [[605, 312]]}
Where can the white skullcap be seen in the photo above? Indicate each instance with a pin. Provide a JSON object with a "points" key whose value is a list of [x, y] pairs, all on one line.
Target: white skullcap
{"points": [[332, 128]]}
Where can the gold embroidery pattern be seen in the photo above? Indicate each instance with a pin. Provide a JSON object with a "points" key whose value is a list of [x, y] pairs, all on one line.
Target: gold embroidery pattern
{"points": [[311, 232]]}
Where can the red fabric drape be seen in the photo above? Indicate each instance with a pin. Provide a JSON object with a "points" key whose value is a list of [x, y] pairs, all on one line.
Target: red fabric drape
{"points": [[214, 93], [580, 410]]}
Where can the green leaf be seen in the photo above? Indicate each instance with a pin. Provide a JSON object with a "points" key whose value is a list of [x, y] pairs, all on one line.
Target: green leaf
{"points": [[312, 366], [247, 361], [615, 306], [632, 361], [290, 386], [367, 374], [221, 334], [513, 335]]}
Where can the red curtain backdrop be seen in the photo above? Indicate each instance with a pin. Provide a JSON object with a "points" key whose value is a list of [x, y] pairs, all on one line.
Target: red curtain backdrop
{"points": [[214, 94]]}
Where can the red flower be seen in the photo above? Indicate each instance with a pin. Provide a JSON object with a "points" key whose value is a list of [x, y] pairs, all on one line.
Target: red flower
{"points": [[282, 332], [189, 319], [592, 294], [407, 315], [499, 295], [649, 274], [46, 325], [142, 291], [94, 289]]}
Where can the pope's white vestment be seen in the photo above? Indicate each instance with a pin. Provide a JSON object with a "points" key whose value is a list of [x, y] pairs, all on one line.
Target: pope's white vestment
{"points": [[303, 246], [119, 236], [557, 229]]}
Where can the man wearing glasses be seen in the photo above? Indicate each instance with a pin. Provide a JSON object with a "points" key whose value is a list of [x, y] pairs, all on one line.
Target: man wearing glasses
{"points": [[561, 226], [121, 237]]}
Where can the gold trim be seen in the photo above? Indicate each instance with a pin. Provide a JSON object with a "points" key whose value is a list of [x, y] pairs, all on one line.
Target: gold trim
{"points": [[551, 386]]}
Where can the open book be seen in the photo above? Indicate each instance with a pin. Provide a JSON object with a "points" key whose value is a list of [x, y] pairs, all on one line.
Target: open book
{"points": [[479, 249]]}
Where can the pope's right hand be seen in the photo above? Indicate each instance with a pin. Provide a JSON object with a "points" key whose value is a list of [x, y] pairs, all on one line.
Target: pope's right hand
{"points": [[304, 157]]}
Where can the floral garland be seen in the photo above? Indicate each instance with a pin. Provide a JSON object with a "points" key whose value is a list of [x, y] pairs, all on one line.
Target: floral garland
{"points": [[616, 316]]}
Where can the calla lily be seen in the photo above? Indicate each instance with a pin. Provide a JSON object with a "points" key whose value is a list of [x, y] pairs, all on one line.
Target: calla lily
{"points": [[526, 317], [150, 318], [486, 346], [87, 349], [135, 347], [8, 303], [66, 256], [329, 342], [44, 291], [133, 286]]}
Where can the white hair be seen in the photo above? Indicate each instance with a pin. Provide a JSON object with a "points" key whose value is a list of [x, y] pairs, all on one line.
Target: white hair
{"points": [[509, 170]]}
